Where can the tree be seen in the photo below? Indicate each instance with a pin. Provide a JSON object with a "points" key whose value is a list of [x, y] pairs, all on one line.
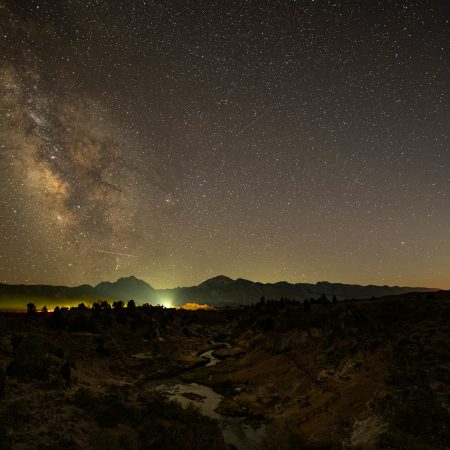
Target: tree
{"points": [[131, 305], [118, 306], [56, 319], [132, 311], [31, 308], [307, 306], [105, 305], [44, 310], [96, 306]]}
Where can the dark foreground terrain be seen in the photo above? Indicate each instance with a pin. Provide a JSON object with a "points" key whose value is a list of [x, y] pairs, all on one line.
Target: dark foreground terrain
{"points": [[361, 374]]}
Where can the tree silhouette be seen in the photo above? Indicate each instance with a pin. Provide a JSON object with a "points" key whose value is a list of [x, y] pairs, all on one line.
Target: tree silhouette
{"points": [[118, 306], [56, 320], [307, 306], [31, 308], [96, 306], [105, 305], [131, 305]]}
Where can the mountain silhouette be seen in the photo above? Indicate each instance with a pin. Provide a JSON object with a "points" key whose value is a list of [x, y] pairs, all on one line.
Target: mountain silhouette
{"points": [[127, 288], [218, 291], [219, 281], [222, 290]]}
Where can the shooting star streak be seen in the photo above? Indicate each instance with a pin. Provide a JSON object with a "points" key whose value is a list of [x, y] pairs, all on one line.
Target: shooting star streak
{"points": [[117, 254], [246, 127]]}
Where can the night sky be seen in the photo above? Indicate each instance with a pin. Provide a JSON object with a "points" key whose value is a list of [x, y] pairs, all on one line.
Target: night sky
{"points": [[268, 140]]}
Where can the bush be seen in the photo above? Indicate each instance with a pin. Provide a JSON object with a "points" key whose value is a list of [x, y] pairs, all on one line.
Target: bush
{"points": [[30, 359], [79, 322], [111, 410], [107, 410], [58, 442], [266, 324], [4, 444], [101, 439], [2, 382], [15, 415], [84, 399], [283, 437], [56, 320], [167, 425]]}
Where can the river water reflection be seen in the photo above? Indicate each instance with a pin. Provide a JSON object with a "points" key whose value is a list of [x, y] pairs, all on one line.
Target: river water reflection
{"points": [[235, 431]]}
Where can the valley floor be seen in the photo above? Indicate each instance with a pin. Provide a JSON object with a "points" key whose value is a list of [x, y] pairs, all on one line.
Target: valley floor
{"points": [[363, 374]]}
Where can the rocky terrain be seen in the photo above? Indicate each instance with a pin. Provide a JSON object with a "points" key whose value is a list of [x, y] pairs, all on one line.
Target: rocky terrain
{"points": [[357, 374]]}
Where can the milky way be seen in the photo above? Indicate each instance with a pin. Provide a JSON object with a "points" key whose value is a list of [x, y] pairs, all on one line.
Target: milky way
{"points": [[266, 140]]}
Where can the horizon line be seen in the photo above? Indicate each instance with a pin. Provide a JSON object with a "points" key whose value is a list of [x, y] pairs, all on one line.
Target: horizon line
{"points": [[218, 276]]}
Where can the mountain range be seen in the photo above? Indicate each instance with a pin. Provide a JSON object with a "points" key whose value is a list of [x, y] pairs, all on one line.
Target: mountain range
{"points": [[218, 291]]}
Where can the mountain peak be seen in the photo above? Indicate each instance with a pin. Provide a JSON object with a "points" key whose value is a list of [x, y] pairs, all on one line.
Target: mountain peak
{"points": [[220, 280], [126, 288], [132, 280], [125, 281], [130, 277]]}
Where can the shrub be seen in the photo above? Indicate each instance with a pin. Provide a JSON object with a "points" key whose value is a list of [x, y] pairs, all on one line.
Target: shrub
{"points": [[267, 324], [2, 382], [56, 320], [283, 437], [66, 372], [163, 424], [107, 410], [30, 359], [4, 444], [79, 322], [84, 399], [58, 442], [110, 410], [101, 439]]}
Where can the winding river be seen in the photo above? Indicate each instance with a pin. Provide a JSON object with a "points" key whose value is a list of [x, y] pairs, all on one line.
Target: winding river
{"points": [[235, 431]]}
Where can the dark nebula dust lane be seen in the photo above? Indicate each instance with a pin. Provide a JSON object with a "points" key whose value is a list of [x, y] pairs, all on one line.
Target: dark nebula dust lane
{"points": [[179, 140]]}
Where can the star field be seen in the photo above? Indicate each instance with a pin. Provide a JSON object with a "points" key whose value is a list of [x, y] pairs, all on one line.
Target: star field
{"points": [[269, 140]]}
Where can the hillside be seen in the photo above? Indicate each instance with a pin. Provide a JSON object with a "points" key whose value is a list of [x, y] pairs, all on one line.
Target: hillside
{"points": [[364, 374]]}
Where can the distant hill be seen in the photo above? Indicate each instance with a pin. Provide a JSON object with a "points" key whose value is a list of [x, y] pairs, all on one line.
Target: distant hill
{"points": [[13, 296], [217, 291], [46, 291]]}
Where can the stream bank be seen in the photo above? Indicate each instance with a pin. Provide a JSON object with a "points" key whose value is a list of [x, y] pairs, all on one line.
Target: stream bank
{"points": [[236, 431]]}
